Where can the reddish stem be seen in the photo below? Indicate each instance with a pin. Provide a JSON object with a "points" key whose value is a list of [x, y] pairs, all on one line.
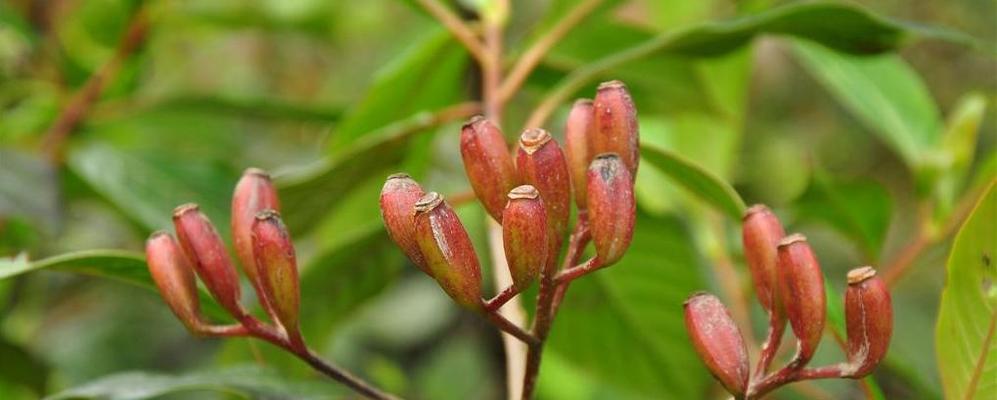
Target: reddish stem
{"points": [[509, 327], [777, 325], [789, 375], [501, 298], [578, 271]]}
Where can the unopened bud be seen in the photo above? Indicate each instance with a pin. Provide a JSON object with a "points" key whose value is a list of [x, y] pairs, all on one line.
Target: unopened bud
{"points": [[207, 253], [398, 198], [254, 193], [577, 133], [277, 266], [525, 234], [488, 164], [541, 163], [615, 127], [718, 342], [868, 320], [801, 289], [761, 233], [175, 279], [612, 208], [448, 250]]}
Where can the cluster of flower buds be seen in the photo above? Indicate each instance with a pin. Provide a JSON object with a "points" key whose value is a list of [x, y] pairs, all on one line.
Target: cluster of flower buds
{"points": [[790, 286], [262, 245], [529, 192]]}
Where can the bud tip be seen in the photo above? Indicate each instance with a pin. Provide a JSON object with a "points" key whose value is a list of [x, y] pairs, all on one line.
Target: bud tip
{"points": [[428, 202], [533, 139], [793, 238], [185, 208], [523, 192], [860, 274]]}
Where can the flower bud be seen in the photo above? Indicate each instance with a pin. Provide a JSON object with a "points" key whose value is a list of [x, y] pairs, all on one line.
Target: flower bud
{"points": [[577, 133], [447, 249], [487, 163], [615, 124], [868, 320], [398, 198], [718, 341], [525, 234], [254, 193], [277, 266], [207, 253], [541, 163], [760, 233], [612, 208], [801, 289], [175, 279]]}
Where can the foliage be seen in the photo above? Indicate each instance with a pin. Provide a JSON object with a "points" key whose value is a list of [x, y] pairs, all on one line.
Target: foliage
{"points": [[870, 133]]}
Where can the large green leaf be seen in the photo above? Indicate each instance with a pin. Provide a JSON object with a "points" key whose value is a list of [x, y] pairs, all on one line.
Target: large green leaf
{"points": [[624, 325], [244, 382], [965, 337], [883, 92], [147, 186], [697, 180], [426, 77]]}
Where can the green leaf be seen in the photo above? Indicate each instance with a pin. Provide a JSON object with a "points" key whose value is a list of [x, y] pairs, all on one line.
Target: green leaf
{"points": [[309, 193], [955, 155], [624, 325], [147, 186], [883, 92], [696, 180], [860, 210], [118, 265], [426, 77], [244, 382], [965, 337]]}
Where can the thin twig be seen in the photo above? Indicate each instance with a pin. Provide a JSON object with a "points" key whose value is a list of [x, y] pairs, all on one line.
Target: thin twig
{"points": [[576, 245], [536, 52], [509, 327], [460, 198], [464, 34], [789, 374], [777, 325], [75, 110]]}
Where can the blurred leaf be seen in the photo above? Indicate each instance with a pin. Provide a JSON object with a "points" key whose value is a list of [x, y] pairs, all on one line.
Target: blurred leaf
{"points": [[464, 357], [965, 336], [20, 367], [957, 150], [859, 210], [427, 76], [338, 280], [262, 108], [697, 180], [28, 188], [309, 193], [624, 325], [246, 382], [118, 265], [883, 92], [147, 187]]}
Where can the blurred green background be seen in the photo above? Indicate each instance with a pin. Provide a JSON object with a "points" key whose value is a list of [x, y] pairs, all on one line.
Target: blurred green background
{"points": [[331, 96]]}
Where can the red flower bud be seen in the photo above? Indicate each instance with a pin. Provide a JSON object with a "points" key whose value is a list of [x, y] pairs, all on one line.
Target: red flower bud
{"points": [[615, 124], [868, 319], [488, 164], [760, 233], [541, 163], [718, 341], [277, 266], [612, 209], [801, 288], [254, 193], [448, 250], [209, 257], [577, 133], [175, 279], [398, 198], [525, 234]]}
